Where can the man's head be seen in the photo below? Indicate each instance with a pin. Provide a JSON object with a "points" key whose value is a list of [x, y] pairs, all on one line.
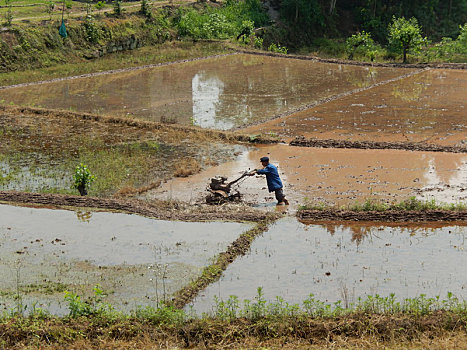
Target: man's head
{"points": [[264, 161]]}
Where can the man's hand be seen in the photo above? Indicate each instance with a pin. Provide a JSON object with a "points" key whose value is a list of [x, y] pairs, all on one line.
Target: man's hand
{"points": [[252, 172]]}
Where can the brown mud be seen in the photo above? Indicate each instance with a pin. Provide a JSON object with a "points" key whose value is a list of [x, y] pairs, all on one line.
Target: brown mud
{"points": [[334, 176], [325, 100], [223, 92], [428, 107], [155, 209], [188, 131], [384, 216], [408, 146]]}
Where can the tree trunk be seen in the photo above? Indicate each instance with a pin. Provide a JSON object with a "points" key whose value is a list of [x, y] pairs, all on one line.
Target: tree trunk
{"points": [[296, 12], [405, 55], [82, 190], [332, 6]]}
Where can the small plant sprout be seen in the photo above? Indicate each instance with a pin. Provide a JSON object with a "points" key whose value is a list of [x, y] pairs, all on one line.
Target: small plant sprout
{"points": [[82, 179]]}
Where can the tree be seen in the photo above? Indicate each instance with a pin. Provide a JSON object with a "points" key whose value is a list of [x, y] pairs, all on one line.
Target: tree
{"points": [[406, 35], [362, 41]]}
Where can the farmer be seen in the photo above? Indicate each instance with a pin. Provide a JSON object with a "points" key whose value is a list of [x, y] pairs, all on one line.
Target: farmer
{"points": [[272, 178]]}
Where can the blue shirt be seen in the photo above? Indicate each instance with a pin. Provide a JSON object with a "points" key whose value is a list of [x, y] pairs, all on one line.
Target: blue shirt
{"points": [[272, 177]]}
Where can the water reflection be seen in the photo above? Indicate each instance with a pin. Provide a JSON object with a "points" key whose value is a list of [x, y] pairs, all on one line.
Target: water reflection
{"points": [[293, 260], [83, 216], [412, 92], [361, 231], [426, 107], [121, 252], [222, 93], [206, 92]]}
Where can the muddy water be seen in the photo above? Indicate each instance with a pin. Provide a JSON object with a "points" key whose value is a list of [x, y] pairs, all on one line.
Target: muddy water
{"points": [[340, 262], [428, 107], [336, 176], [222, 93], [135, 259]]}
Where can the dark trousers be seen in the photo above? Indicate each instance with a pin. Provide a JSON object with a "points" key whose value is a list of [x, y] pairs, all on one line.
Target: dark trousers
{"points": [[279, 195]]}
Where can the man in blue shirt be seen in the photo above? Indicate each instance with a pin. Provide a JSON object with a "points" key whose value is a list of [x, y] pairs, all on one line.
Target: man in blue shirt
{"points": [[272, 178]]}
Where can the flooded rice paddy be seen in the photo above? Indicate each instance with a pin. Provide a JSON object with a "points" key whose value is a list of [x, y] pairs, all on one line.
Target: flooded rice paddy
{"points": [[136, 260], [139, 261], [222, 93], [40, 153], [346, 261], [336, 176], [426, 107]]}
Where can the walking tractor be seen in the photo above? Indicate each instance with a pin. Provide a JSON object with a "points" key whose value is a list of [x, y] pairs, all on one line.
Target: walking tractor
{"points": [[220, 191]]}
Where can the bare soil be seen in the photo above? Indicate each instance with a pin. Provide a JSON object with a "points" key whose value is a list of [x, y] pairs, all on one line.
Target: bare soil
{"points": [[162, 210], [384, 216], [187, 131], [408, 146]]}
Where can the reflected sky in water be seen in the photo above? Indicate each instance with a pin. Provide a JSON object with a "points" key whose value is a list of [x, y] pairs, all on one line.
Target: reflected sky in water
{"points": [[222, 93], [337, 262]]}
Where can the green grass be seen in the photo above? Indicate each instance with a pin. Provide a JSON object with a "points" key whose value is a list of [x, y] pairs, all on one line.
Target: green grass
{"points": [[384, 320]]}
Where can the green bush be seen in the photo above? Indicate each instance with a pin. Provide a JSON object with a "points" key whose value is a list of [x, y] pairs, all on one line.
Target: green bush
{"points": [[231, 20], [361, 44], [82, 178], [146, 9], [100, 5], [448, 49], [277, 48], [117, 6], [92, 30], [9, 13]]}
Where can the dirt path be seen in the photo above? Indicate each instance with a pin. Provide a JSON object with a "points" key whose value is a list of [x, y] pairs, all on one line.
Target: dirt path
{"points": [[164, 210], [407, 146]]}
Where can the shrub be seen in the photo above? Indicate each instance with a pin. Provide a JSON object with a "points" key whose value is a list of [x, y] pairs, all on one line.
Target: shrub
{"points": [[233, 19], [92, 31], [93, 306], [82, 179], [146, 9], [117, 6], [277, 48], [9, 13], [100, 5], [360, 43]]}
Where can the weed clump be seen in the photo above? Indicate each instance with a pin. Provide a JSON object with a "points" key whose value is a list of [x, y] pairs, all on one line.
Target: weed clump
{"points": [[187, 167]]}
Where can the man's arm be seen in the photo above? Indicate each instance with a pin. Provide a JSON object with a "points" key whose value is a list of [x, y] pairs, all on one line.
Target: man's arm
{"points": [[263, 171]]}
